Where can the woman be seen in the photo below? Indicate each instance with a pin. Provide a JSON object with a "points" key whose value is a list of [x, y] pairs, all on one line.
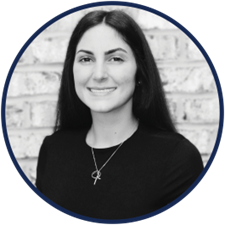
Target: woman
{"points": [[115, 153]]}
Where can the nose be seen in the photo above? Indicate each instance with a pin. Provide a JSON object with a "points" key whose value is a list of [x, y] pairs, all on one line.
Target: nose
{"points": [[99, 72]]}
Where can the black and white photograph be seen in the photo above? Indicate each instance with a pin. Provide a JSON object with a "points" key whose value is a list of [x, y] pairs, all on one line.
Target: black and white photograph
{"points": [[112, 114]]}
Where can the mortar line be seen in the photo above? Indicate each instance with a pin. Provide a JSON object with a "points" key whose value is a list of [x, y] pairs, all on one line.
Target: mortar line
{"points": [[181, 63], [33, 98], [191, 95], [197, 126], [41, 67], [159, 32], [27, 131]]}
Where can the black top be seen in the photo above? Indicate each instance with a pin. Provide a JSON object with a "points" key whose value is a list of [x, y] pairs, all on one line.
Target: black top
{"points": [[150, 170]]}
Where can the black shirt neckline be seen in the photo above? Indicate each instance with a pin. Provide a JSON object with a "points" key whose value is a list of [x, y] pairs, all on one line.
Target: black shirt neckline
{"points": [[114, 146]]}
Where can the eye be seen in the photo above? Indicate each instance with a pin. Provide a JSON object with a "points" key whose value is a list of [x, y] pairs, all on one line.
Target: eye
{"points": [[85, 60], [116, 59]]}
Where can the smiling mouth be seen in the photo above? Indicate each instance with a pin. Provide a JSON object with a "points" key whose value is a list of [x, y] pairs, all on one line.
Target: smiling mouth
{"points": [[101, 90]]}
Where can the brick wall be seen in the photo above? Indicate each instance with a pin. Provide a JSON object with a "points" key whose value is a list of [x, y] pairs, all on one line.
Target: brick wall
{"points": [[33, 89]]}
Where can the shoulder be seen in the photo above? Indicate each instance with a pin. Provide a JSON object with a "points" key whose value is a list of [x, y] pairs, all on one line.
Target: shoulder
{"points": [[60, 146], [62, 136], [66, 133], [177, 156], [168, 144], [160, 138]]}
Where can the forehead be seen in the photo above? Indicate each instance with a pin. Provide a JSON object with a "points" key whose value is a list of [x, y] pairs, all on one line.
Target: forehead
{"points": [[101, 37]]}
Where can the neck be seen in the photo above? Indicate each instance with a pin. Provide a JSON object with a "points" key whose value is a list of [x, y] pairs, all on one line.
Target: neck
{"points": [[109, 129]]}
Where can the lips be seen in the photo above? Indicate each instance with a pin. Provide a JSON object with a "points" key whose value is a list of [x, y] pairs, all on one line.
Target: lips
{"points": [[101, 90]]}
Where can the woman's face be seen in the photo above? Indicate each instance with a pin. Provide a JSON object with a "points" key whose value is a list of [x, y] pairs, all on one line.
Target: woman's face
{"points": [[104, 70]]}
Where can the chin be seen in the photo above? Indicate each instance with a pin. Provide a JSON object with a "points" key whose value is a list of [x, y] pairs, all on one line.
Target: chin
{"points": [[109, 106], [101, 109]]}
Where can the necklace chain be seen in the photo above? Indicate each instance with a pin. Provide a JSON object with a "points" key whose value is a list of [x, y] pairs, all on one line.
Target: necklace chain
{"points": [[97, 173]]}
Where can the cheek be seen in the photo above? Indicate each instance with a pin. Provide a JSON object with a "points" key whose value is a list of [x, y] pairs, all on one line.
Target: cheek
{"points": [[78, 81], [127, 77], [80, 76]]}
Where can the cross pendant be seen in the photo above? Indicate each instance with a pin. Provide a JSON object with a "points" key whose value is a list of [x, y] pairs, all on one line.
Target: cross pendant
{"points": [[96, 175]]}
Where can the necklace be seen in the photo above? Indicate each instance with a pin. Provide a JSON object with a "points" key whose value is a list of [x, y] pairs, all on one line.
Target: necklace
{"points": [[96, 175]]}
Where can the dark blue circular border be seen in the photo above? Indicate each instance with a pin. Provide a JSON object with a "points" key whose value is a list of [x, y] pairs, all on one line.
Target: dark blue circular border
{"points": [[129, 5]]}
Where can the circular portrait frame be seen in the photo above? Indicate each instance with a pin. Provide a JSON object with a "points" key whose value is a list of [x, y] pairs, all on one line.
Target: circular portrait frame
{"points": [[18, 57]]}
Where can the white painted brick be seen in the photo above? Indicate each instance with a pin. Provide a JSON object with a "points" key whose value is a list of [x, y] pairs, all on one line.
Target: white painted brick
{"points": [[26, 145], [31, 83], [16, 141], [192, 79], [49, 50], [164, 47], [147, 20], [16, 85], [43, 114], [203, 139], [193, 52], [16, 114], [205, 159], [66, 23], [201, 110], [27, 57], [172, 106], [29, 167]]}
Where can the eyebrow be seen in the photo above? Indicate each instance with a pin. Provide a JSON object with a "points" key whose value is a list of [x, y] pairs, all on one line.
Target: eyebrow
{"points": [[106, 53]]}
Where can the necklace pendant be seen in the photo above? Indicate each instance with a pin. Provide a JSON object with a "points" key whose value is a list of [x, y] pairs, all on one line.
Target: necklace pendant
{"points": [[96, 175]]}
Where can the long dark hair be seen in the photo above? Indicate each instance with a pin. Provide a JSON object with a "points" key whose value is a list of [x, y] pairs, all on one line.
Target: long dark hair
{"points": [[149, 104]]}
